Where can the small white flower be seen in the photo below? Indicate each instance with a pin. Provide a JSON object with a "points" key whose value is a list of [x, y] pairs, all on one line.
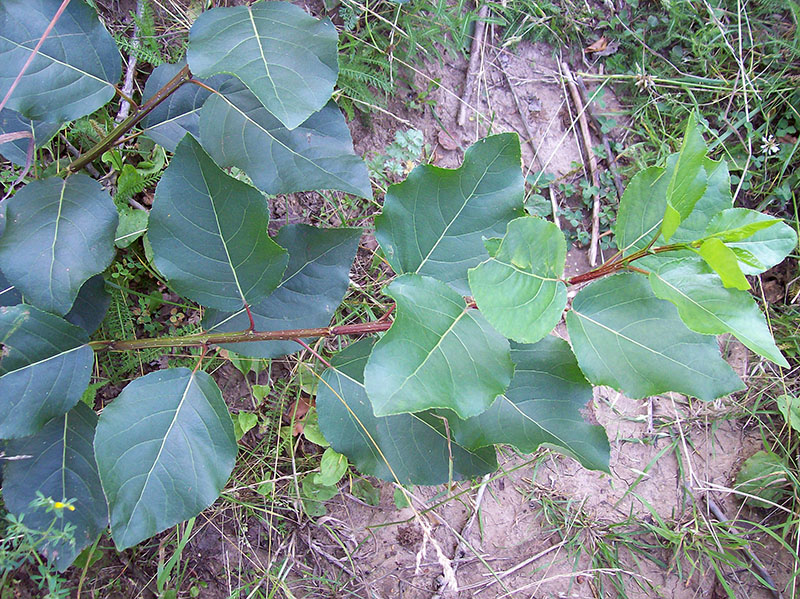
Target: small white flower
{"points": [[769, 145], [644, 81]]}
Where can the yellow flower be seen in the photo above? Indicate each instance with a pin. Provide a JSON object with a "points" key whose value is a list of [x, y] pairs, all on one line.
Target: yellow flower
{"points": [[60, 505]]}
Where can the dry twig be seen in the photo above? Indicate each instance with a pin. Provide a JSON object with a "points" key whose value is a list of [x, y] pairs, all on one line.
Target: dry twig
{"points": [[474, 55], [590, 158]]}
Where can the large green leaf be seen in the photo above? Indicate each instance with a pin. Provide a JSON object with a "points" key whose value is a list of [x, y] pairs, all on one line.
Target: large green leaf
{"points": [[75, 69], [688, 181], [9, 295], [236, 130], [209, 233], [17, 151], [91, 305], [313, 286], [767, 241], [434, 222], [58, 462], [542, 406], [58, 234], [286, 57], [406, 448], [165, 448], [438, 354], [709, 308], [44, 369], [519, 288], [179, 114], [627, 338]]}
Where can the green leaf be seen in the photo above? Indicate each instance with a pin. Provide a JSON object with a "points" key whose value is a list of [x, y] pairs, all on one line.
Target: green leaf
{"points": [[244, 422], [165, 448], [767, 246], [716, 198], [789, 407], [366, 492], [627, 338], [518, 289], [286, 57], [406, 448], [65, 80], [332, 468], [58, 234], [438, 354], [58, 462], [91, 305], [706, 307], [236, 130], [688, 181], [542, 406], [9, 295], [763, 475], [179, 114], [132, 225], [434, 222], [723, 260], [17, 151], [209, 233], [45, 364], [641, 209], [313, 286]]}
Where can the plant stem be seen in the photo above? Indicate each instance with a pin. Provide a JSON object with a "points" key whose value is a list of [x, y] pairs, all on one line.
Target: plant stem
{"points": [[241, 337], [129, 123]]}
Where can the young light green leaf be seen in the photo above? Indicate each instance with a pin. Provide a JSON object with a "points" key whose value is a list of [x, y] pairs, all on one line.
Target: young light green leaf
{"points": [[434, 222], [542, 406], [132, 225], [519, 288], [724, 262], [313, 286], [767, 246], [332, 468], [641, 209], [45, 364], [64, 81], [179, 114], [406, 448], [716, 198], [688, 181], [706, 307], [165, 448], [58, 462], [438, 354], [286, 57], [244, 422], [789, 407], [58, 234], [209, 233], [236, 130], [627, 338]]}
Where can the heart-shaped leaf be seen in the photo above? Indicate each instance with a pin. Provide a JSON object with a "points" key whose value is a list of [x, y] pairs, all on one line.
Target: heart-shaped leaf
{"points": [[435, 221], [59, 232], [236, 130], [44, 368], [58, 462], [438, 354], [74, 70], [209, 233], [542, 406], [519, 288], [286, 57], [165, 448], [406, 448], [653, 352], [705, 306], [313, 286]]}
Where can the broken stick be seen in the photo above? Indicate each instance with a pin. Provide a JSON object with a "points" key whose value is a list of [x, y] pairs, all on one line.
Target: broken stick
{"points": [[590, 158], [474, 55]]}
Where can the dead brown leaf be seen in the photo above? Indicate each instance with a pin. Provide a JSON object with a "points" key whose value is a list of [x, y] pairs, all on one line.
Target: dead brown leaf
{"points": [[598, 46], [298, 411]]}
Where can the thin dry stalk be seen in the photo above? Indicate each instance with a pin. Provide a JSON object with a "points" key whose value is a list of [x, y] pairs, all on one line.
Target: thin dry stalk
{"points": [[474, 56], [590, 158]]}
